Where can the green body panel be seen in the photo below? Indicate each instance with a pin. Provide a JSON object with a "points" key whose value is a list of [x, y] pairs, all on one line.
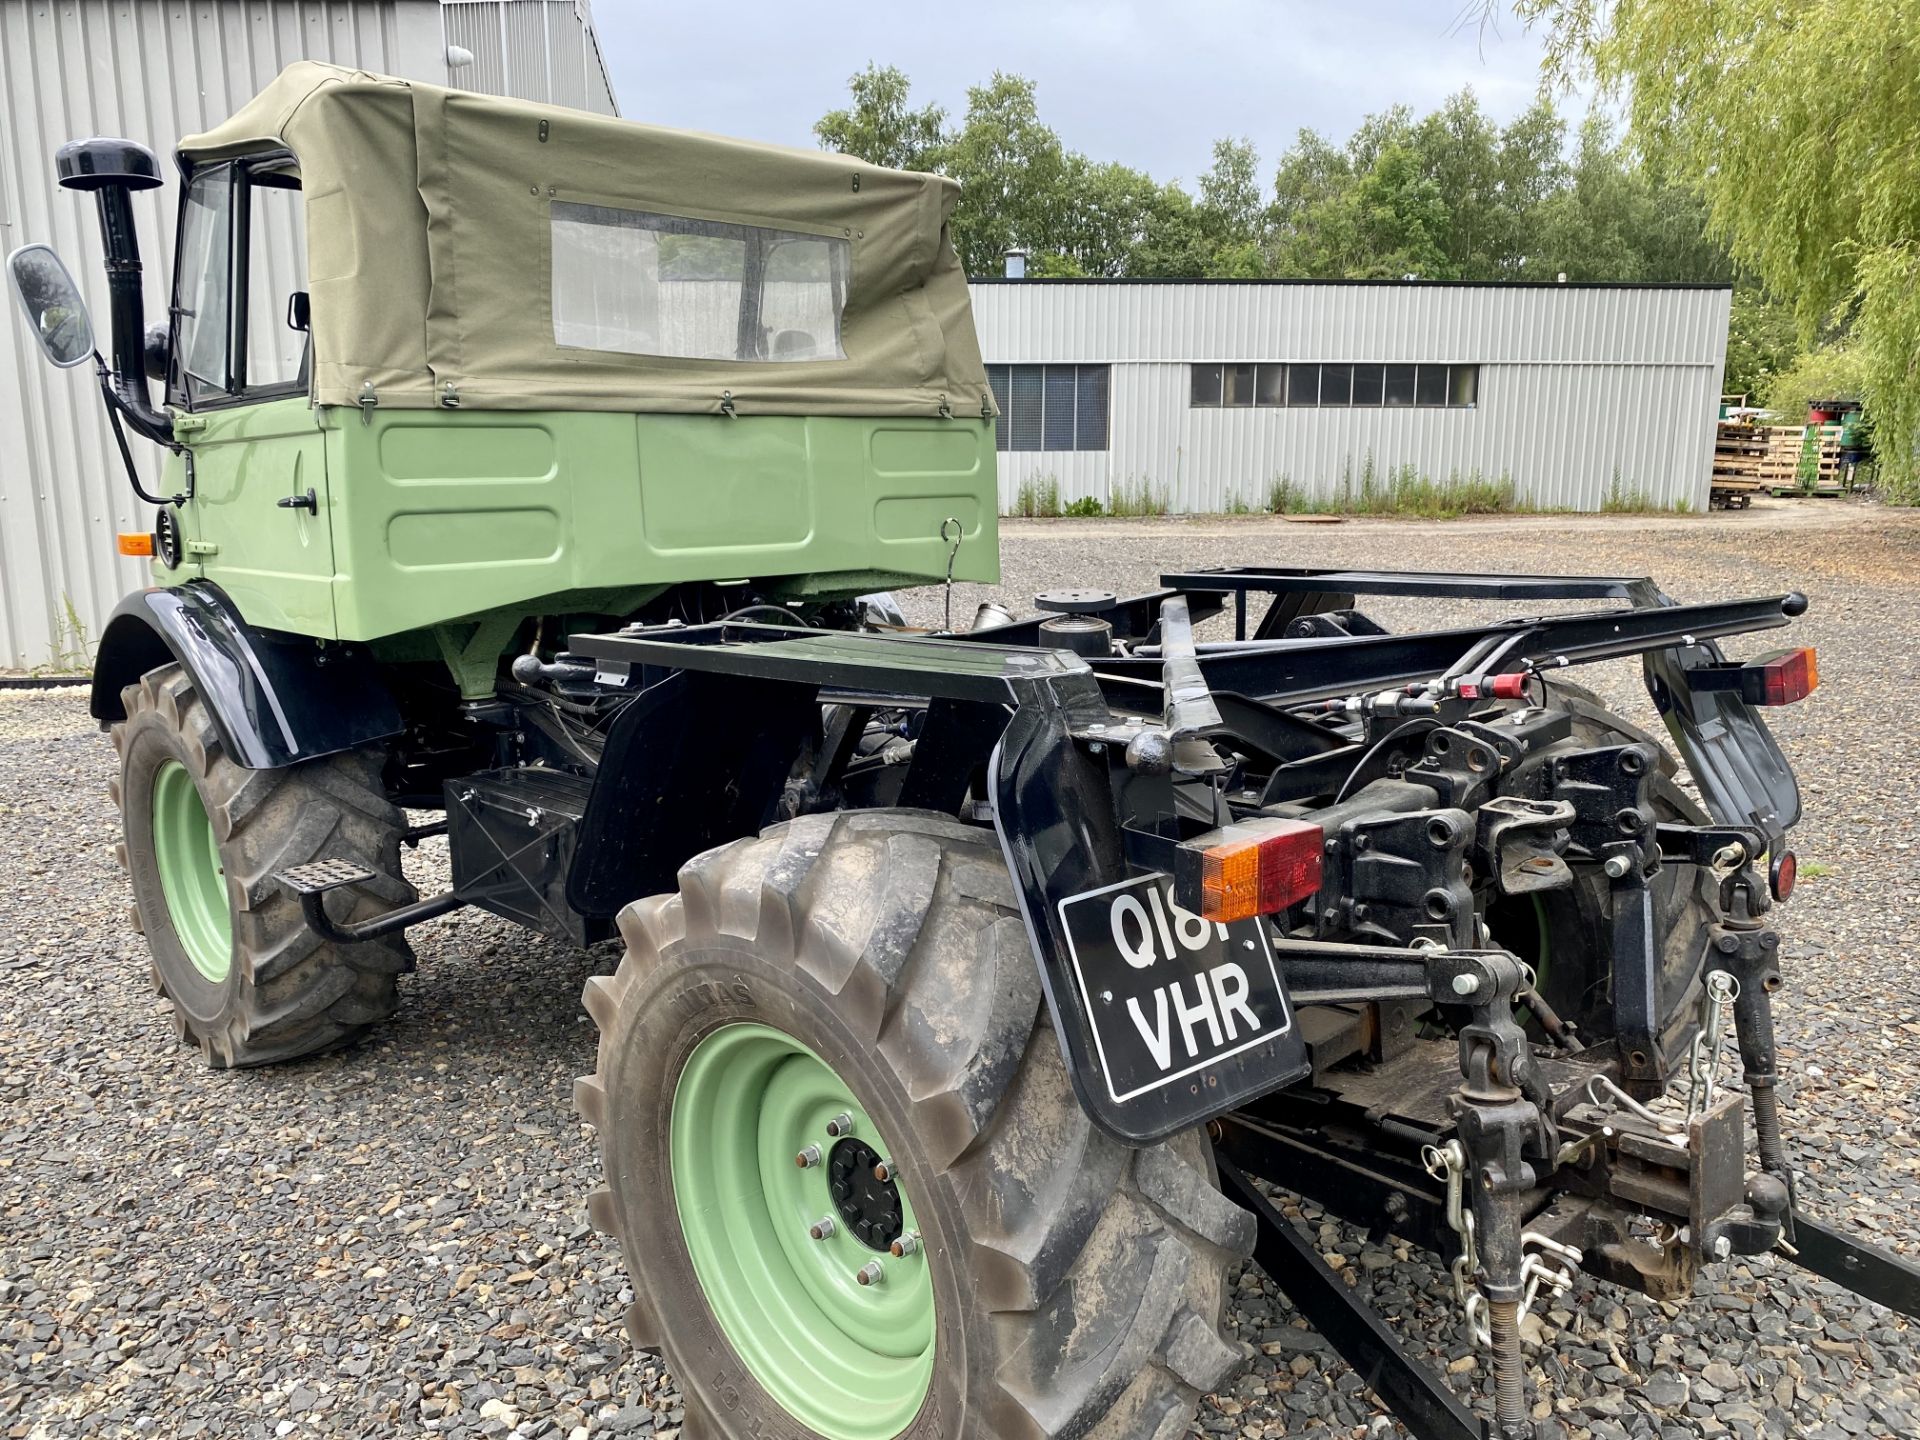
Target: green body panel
{"points": [[277, 565], [432, 517]]}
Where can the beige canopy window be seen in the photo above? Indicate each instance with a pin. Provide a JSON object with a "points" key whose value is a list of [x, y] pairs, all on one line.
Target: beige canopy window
{"points": [[498, 254]]}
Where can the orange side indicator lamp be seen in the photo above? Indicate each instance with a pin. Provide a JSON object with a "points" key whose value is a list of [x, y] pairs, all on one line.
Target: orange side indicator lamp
{"points": [[136, 543], [1252, 868]]}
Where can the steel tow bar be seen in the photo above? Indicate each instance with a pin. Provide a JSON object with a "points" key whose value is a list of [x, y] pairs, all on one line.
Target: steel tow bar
{"points": [[1880, 1275], [1416, 1397]]}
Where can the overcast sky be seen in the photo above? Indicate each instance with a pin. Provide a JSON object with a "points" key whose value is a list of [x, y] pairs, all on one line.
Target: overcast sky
{"points": [[1151, 85]]}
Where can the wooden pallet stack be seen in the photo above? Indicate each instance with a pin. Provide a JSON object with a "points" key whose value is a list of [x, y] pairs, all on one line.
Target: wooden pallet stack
{"points": [[1777, 459], [1739, 448]]}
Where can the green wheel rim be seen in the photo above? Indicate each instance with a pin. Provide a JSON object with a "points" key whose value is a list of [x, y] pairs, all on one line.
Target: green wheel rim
{"points": [[850, 1361], [191, 877]]}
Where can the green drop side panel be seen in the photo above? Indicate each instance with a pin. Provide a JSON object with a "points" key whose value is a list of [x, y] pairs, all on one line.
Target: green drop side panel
{"points": [[434, 516]]}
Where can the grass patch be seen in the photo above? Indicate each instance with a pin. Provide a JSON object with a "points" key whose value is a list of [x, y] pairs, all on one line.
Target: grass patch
{"points": [[1085, 508], [1814, 870], [1038, 499], [1399, 490], [1624, 499], [1136, 495]]}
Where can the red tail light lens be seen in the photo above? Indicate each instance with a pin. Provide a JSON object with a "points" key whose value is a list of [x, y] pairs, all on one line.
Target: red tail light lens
{"points": [[1253, 868], [1784, 678], [1786, 870]]}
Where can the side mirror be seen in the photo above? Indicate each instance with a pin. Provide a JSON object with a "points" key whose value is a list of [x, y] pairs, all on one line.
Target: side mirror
{"points": [[50, 300], [299, 312]]}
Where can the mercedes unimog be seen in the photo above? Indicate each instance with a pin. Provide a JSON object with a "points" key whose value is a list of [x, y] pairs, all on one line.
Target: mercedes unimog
{"points": [[539, 487]]}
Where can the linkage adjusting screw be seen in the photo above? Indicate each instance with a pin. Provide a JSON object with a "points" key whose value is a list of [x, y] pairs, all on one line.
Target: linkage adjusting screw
{"points": [[871, 1273], [808, 1158], [906, 1245], [840, 1126], [822, 1229]]}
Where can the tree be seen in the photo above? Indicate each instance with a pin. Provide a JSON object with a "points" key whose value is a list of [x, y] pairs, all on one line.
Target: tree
{"points": [[878, 126], [1801, 125], [1012, 171]]}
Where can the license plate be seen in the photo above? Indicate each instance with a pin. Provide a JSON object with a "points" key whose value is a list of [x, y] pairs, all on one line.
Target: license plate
{"points": [[1168, 995]]}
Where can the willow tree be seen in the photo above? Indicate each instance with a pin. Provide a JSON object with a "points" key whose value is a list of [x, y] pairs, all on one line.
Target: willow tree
{"points": [[1801, 123]]}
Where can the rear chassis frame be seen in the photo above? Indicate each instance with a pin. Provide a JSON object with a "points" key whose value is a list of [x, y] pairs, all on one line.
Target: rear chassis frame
{"points": [[1514, 1158]]}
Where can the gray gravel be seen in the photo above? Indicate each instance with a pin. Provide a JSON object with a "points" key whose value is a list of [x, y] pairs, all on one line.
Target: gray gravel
{"points": [[391, 1241]]}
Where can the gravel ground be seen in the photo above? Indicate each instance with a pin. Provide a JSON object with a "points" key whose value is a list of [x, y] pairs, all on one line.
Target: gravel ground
{"points": [[391, 1240]]}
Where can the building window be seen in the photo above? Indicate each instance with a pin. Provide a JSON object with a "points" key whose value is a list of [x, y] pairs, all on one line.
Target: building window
{"points": [[1302, 384], [1051, 407]]}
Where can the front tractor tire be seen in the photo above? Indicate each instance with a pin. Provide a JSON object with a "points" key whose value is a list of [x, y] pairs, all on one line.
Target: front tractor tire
{"points": [[860, 985], [202, 839]]}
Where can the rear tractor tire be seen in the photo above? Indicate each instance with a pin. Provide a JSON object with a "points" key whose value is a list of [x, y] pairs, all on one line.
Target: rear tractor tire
{"points": [[202, 838], [855, 1194]]}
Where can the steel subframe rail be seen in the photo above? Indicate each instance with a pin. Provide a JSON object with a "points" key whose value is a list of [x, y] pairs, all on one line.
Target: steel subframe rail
{"points": [[1868, 1271], [1417, 1397]]}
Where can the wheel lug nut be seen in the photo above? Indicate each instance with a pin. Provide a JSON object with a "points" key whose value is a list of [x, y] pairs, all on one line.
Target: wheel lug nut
{"points": [[840, 1125], [871, 1273], [906, 1245], [884, 1171], [823, 1228], [808, 1158]]}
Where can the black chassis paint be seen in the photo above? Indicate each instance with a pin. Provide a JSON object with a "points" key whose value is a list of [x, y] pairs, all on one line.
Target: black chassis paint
{"points": [[1069, 813], [276, 699]]}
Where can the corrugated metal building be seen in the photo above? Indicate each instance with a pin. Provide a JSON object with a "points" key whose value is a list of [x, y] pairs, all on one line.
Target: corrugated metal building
{"points": [[1209, 393], [154, 70]]}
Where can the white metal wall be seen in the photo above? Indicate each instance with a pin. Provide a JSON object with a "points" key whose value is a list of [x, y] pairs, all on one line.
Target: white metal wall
{"points": [[154, 70], [533, 50], [1580, 388]]}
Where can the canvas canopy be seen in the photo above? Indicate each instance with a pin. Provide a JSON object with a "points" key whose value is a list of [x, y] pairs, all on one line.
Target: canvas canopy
{"points": [[500, 254]]}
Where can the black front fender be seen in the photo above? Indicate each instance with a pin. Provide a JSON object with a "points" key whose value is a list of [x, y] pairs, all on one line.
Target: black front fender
{"points": [[276, 699]]}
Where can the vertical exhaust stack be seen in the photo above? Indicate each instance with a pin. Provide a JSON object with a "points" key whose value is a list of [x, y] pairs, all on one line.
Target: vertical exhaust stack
{"points": [[113, 170]]}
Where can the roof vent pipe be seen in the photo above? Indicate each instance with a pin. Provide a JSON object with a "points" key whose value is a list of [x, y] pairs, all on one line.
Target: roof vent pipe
{"points": [[1016, 264]]}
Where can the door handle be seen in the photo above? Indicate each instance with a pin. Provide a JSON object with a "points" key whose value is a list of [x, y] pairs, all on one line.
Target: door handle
{"points": [[309, 502]]}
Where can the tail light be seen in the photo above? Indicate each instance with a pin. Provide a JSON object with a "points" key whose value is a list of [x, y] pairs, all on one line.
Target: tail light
{"points": [[1778, 679], [1782, 679], [1786, 870], [1253, 868]]}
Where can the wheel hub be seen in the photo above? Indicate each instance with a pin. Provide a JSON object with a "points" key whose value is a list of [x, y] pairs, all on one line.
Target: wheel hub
{"points": [[868, 1206], [810, 1261], [192, 881]]}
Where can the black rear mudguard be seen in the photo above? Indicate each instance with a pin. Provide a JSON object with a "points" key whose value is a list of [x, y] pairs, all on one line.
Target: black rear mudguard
{"points": [[1744, 778], [276, 699]]}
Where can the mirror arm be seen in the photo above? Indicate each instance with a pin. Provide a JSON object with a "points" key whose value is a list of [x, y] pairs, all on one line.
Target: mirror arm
{"points": [[153, 424]]}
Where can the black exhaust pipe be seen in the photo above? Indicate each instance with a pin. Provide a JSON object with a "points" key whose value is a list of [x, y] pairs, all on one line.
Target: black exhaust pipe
{"points": [[113, 170]]}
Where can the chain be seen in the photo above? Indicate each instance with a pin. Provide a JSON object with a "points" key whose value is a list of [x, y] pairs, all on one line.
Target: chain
{"points": [[1448, 1162], [1703, 1062], [1547, 1262]]}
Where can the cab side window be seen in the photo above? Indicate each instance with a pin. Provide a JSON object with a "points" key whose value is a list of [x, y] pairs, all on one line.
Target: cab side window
{"points": [[239, 331]]}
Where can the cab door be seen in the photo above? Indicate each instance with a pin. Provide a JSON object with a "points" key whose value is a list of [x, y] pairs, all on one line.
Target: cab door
{"points": [[258, 524]]}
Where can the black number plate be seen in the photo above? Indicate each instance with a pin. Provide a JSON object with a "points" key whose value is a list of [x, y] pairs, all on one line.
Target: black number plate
{"points": [[1178, 1006]]}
